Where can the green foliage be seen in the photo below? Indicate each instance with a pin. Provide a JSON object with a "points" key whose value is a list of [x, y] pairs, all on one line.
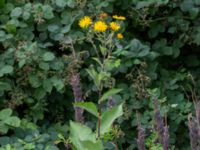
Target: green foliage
{"points": [[158, 57], [6, 70], [83, 138], [108, 118], [7, 121], [88, 106], [29, 140], [109, 93]]}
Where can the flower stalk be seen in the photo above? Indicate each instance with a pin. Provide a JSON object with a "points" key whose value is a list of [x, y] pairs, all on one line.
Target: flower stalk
{"points": [[141, 138], [193, 134], [161, 129], [76, 87]]}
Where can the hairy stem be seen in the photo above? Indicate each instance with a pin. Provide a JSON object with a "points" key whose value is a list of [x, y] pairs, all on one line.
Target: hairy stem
{"points": [[141, 138], [76, 87], [193, 134]]}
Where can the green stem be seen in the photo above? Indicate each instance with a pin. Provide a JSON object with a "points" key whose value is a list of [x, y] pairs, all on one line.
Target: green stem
{"points": [[95, 48], [99, 125], [99, 114]]}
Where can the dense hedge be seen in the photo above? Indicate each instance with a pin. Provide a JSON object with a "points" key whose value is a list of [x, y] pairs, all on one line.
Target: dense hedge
{"points": [[158, 57]]}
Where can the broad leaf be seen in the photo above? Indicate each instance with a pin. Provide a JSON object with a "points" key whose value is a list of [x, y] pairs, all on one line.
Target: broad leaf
{"points": [[6, 70], [94, 75], [70, 3], [89, 145], [81, 132], [5, 113], [16, 12], [48, 56], [44, 66], [137, 49], [88, 106], [3, 128], [108, 94], [12, 121], [57, 83], [109, 117], [60, 3], [98, 61], [103, 50], [34, 81], [82, 137], [48, 12], [4, 86]]}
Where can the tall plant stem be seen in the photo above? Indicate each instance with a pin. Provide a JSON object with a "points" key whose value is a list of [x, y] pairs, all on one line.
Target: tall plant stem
{"points": [[99, 115], [75, 82], [76, 87]]}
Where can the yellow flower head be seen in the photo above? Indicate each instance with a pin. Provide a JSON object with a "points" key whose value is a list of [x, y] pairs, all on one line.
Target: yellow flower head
{"points": [[119, 36], [85, 22], [100, 26], [114, 26], [119, 17]]}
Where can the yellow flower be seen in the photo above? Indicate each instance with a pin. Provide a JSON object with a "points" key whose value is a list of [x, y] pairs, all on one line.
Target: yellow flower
{"points": [[119, 36], [100, 26], [119, 17], [114, 26], [85, 22]]}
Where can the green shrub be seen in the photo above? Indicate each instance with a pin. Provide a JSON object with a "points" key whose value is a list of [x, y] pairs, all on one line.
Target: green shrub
{"points": [[157, 55]]}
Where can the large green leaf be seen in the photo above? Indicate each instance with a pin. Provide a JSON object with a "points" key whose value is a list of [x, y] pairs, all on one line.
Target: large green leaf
{"points": [[6, 120], [61, 3], [34, 81], [108, 117], [48, 12], [30, 146], [16, 12], [81, 132], [7, 69], [3, 128], [89, 145], [5, 113], [48, 56], [88, 106], [47, 85], [2, 36], [51, 147], [57, 83], [12, 121], [109, 93], [94, 75], [137, 49], [39, 93], [70, 3], [4, 86], [44, 66], [83, 138], [187, 5]]}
